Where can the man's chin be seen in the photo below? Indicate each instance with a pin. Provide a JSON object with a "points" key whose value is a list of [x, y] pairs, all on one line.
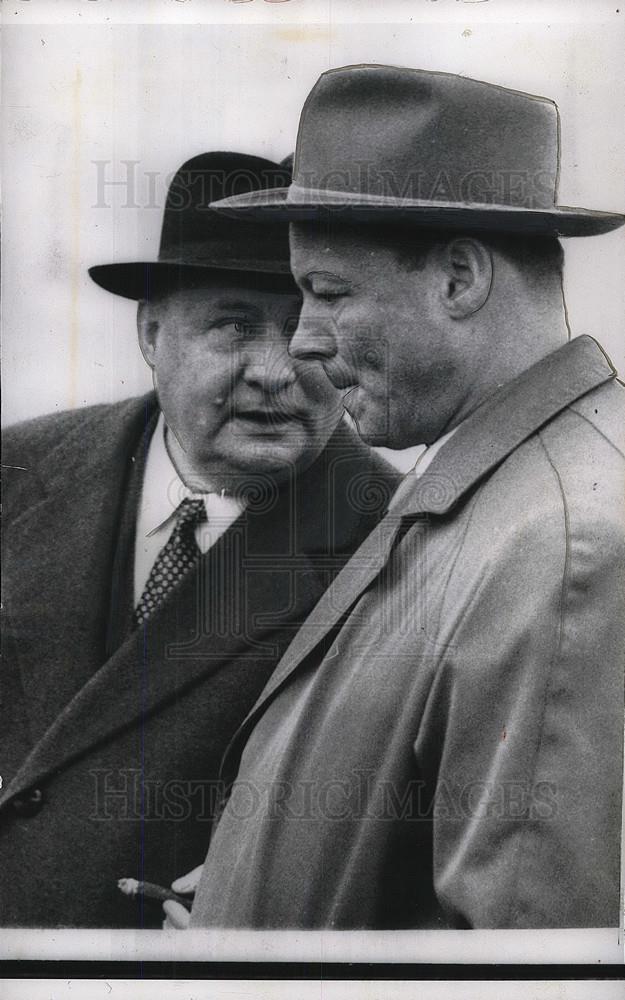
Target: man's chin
{"points": [[271, 458], [376, 435]]}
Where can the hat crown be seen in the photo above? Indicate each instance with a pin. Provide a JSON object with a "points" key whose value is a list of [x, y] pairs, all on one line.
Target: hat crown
{"points": [[193, 234], [399, 133], [196, 241]]}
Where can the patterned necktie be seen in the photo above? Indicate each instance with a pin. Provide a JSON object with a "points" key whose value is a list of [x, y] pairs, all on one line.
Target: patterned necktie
{"points": [[176, 558]]}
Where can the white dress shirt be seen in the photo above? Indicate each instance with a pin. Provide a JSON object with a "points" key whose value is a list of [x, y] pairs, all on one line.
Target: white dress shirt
{"points": [[161, 494], [429, 452], [417, 457]]}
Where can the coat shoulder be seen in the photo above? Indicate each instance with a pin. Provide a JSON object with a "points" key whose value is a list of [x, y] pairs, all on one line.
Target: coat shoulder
{"points": [[575, 462], [585, 447], [558, 497], [603, 411], [27, 443]]}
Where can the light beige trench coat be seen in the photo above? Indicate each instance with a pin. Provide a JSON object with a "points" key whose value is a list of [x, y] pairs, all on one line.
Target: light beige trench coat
{"points": [[441, 744]]}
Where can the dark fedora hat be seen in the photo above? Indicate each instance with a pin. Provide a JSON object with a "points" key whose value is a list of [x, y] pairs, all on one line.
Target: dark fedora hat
{"points": [[195, 240], [387, 144]]}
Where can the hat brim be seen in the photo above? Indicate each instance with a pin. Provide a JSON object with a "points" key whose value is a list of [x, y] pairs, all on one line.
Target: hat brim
{"points": [[275, 205], [143, 280]]}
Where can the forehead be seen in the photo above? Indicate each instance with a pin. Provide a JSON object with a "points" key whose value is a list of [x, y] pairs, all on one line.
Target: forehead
{"points": [[351, 247]]}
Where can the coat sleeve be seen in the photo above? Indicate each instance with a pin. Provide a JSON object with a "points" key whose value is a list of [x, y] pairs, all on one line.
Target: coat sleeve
{"points": [[522, 736]]}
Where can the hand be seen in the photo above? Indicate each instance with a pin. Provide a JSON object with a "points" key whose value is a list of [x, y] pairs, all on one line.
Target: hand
{"points": [[176, 917]]}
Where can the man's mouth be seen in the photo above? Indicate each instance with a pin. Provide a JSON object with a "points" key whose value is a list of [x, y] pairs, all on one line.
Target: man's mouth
{"points": [[266, 418]]}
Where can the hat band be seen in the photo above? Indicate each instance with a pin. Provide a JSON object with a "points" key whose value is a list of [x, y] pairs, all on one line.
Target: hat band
{"points": [[495, 189], [221, 261]]}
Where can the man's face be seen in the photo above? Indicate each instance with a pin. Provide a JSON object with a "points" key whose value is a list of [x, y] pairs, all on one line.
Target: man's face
{"points": [[378, 329], [232, 396]]}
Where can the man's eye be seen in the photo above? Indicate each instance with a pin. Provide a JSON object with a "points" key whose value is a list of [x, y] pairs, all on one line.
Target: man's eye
{"points": [[237, 327], [328, 294]]}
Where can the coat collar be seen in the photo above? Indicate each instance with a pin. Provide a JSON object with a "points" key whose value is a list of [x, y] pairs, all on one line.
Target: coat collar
{"points": [[514, 412], [509, 416]]}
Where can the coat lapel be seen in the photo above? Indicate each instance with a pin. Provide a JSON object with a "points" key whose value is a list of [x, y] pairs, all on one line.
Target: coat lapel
{"points": [[178, 648], [58, 559], [485, 439], [251, 592]]}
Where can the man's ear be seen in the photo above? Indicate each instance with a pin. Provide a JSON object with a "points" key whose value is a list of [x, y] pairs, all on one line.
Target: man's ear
{"points": [[468, 276], [147, 328]]}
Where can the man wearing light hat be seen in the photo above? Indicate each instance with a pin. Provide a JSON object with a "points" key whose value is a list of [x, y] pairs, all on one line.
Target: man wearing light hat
{"points": [[441, 745], [160, 555]]}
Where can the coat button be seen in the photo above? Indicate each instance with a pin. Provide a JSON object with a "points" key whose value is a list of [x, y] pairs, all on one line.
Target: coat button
{"points": [[29, 803]]}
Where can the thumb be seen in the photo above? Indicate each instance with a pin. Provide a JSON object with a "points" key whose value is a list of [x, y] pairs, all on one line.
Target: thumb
{"points": [[188, 883], [176, 916]]}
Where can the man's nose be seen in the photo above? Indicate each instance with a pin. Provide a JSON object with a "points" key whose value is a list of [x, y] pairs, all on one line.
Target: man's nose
{"points": [[266, 363], [313, 339]]}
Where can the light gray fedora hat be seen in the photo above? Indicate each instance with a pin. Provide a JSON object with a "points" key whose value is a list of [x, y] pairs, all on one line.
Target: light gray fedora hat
{"points": [[384, 144]]}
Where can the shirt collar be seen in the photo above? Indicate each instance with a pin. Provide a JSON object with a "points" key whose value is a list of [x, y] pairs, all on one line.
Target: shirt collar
{"points": [[413, 461], [426, 456], [163, 489]]}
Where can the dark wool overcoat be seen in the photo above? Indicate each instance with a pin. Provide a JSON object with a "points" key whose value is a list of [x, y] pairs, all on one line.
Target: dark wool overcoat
{"points": [[112, 737]]}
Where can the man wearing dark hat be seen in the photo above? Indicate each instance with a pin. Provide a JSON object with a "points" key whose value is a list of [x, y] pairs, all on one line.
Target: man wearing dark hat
{"points": [[161, 553], [441, 745]]}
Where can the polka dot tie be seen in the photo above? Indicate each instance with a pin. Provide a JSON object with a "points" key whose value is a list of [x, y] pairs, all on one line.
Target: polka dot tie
{"points": [[176, 558]]}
